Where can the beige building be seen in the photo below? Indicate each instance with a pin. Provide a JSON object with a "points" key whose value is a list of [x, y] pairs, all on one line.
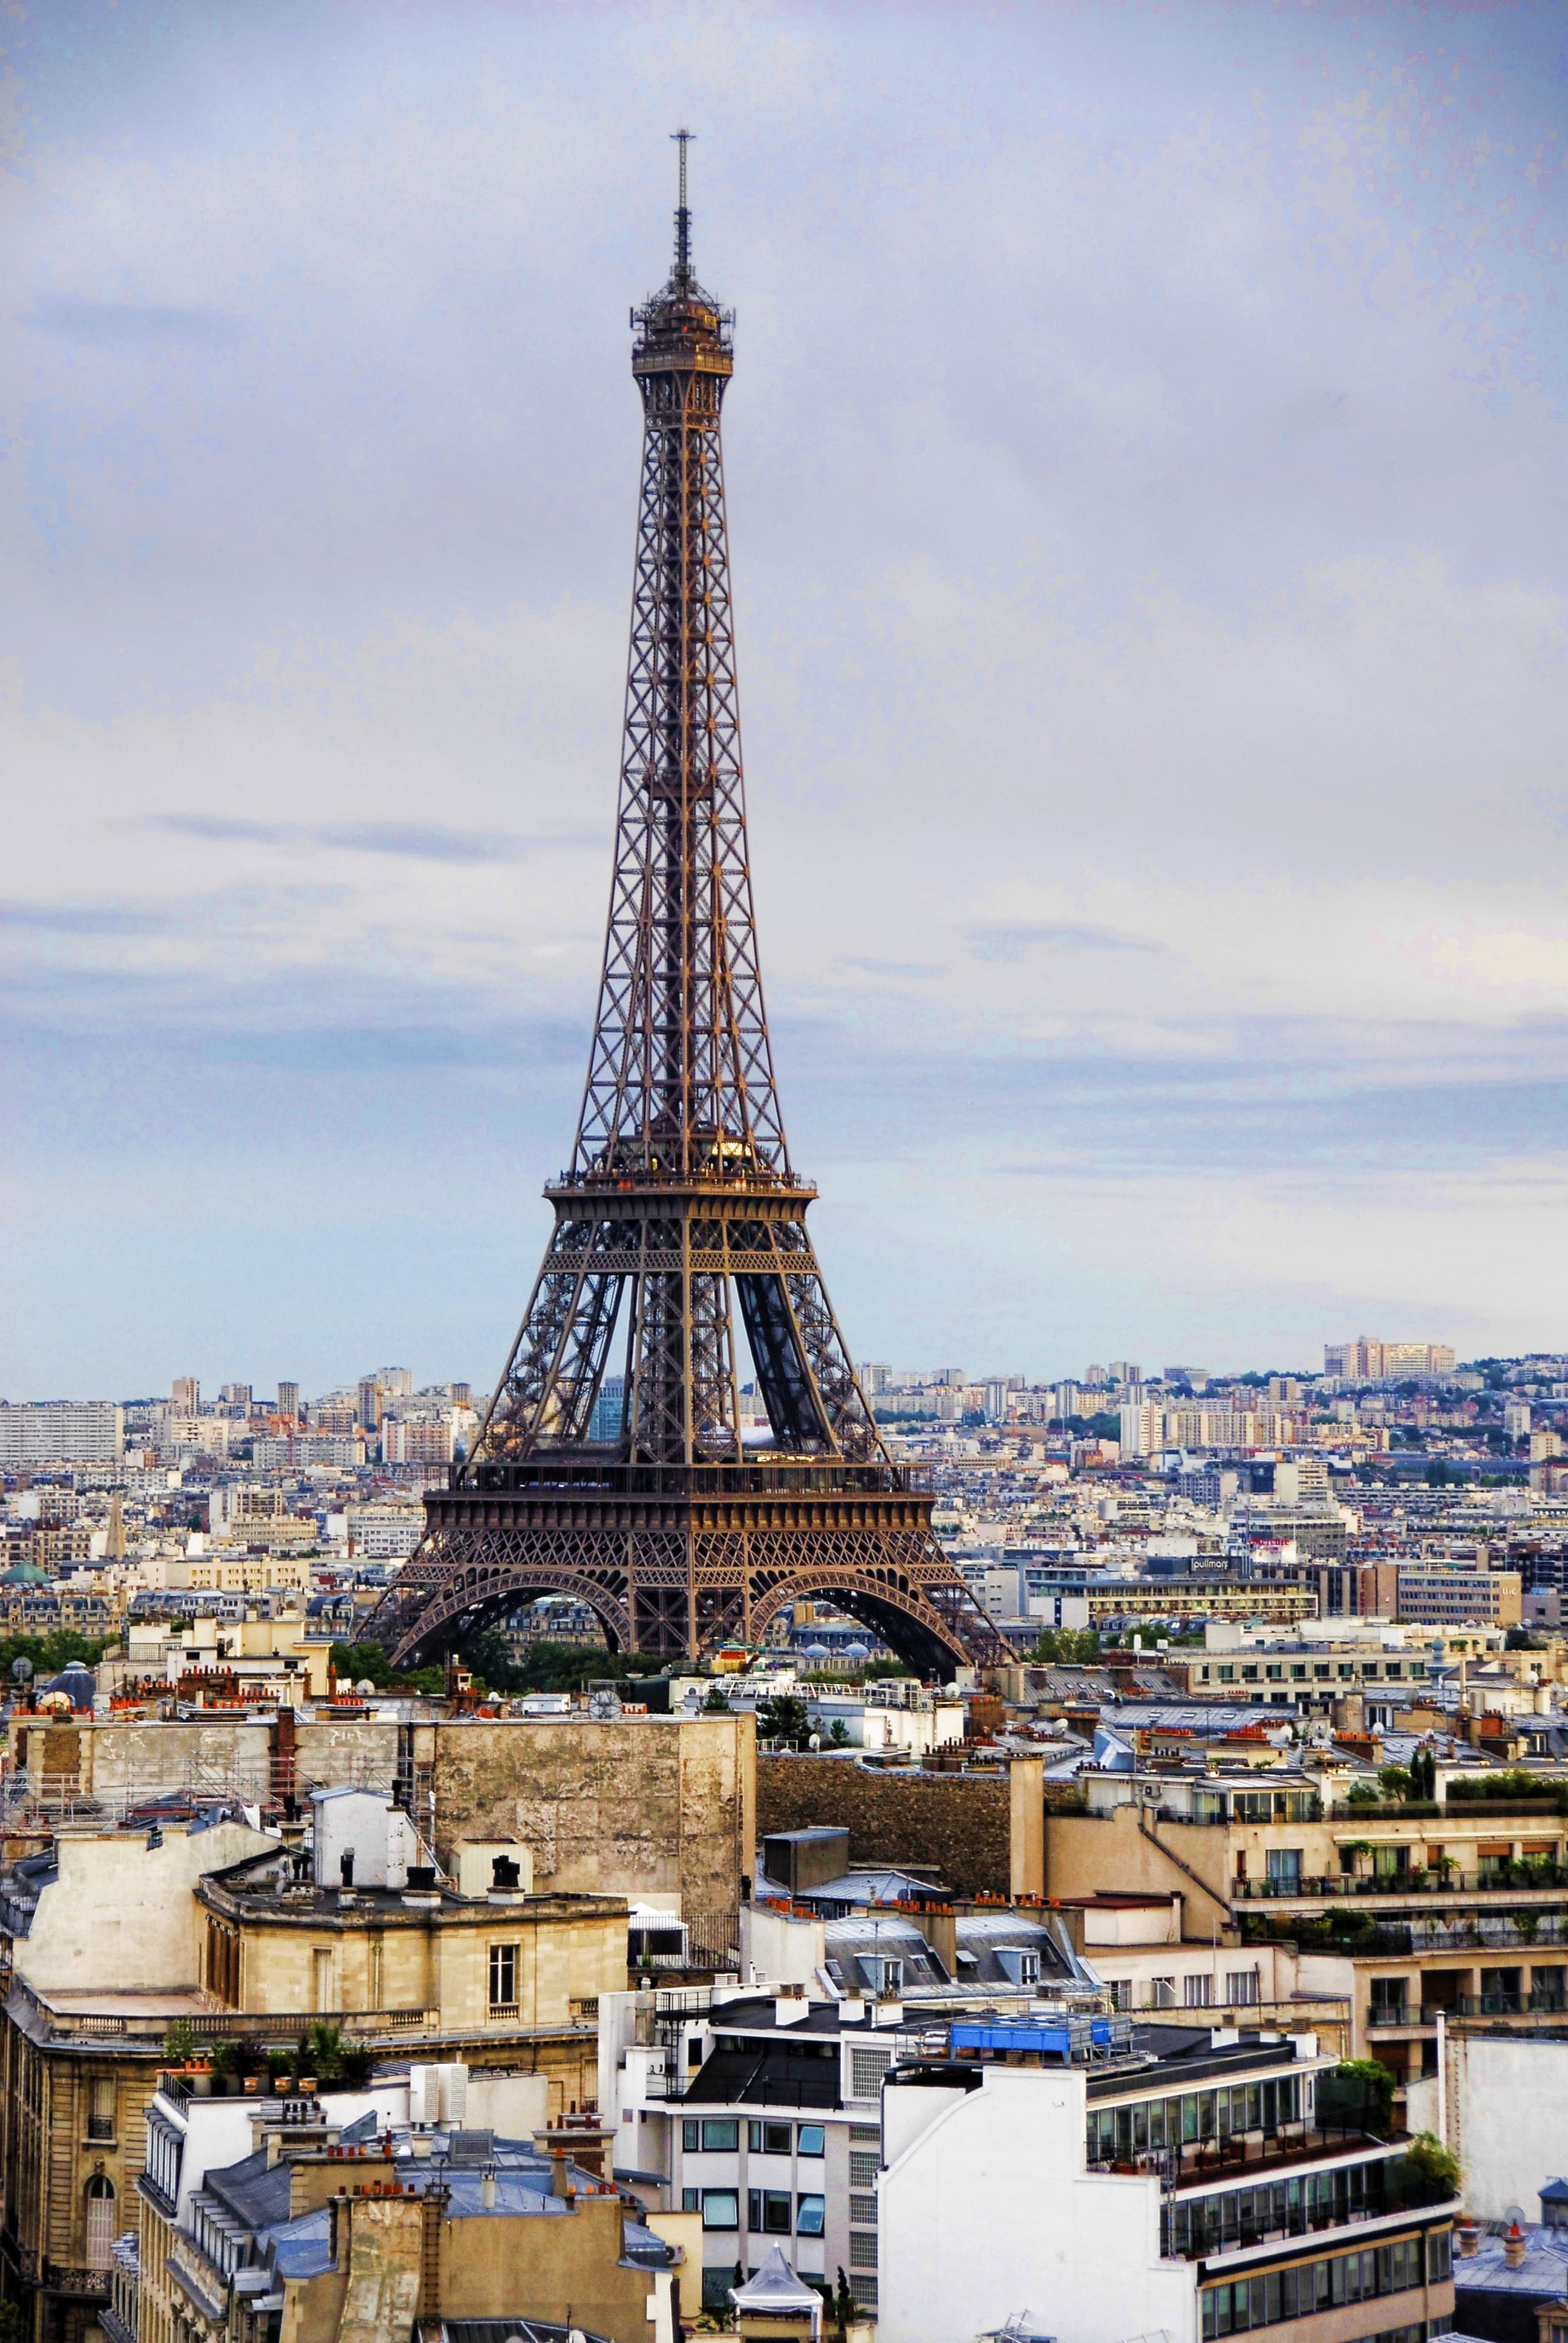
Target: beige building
{"points": [[294, 2217], [1398, 1910], [115, 1936]]}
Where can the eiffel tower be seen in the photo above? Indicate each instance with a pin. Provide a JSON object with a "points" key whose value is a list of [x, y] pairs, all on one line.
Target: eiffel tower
{"points": [[613, 1463]]}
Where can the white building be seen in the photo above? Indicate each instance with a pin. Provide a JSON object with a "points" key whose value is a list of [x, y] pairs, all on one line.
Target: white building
{"points": [[62, 1432], [1181, 2188]]}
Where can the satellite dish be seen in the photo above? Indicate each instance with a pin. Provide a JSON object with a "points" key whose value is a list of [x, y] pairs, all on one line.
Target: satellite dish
{"points": [[603, 1706], [365, 1687], [1515, 2215], [21, 1670]]}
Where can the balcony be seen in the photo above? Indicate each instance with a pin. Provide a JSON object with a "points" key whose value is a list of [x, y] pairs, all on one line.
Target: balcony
{"points": [[71, 2278], [1199, 2163], [1201, 2238], [86, 2027]]}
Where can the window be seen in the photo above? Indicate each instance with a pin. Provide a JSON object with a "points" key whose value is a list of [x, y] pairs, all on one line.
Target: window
{"points": [[1242, 1988], [720, 2209], [1283, 1866], [1120, 1992], [863, 2249], [691, 2200], [1197, 1991], [1248, 1676], [809, 2215], [1390, 1861], [1298, 1673], [1163, 1993], [769, 2138], [1306, 2288], [813, 2140], [863, 2168], [720, 2136], [1319, 1671], [101, 2107], [768, 2211], [1438, 2255], [863, 2211], [1019, 1966], [1274, 1674], [1388, 2001], [690, 2140], [503, 1977], [100, 2222], [867, 2068], [1227, 1676]]}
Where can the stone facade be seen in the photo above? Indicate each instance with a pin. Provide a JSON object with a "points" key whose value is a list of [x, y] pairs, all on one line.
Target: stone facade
{"points": [[983, 1833]]}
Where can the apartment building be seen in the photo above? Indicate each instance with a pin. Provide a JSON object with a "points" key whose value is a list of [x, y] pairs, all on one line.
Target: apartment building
{"points": [[62, 1432], [759, 2113], [1166, 2179], [332, 2218], [1397, 1909]]}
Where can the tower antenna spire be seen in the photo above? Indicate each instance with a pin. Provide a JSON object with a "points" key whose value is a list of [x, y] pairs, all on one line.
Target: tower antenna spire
{"points": [[683, 139]]}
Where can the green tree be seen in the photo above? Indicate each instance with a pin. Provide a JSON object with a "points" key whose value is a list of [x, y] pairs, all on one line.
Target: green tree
{"points": [[838, 1736], [1067, 1647], [329, 2055], [1358, 2092], [1396, 1780], [784, 1722], [47, 1655], [715, 1703], [1427, 2158], [843, 2306]]}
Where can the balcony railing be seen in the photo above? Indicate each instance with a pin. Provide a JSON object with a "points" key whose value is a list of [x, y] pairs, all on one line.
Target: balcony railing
{"points": [[85, 2026], [1197, 2164], [1499, 1879], [1204, 2238], [70, 2278]]}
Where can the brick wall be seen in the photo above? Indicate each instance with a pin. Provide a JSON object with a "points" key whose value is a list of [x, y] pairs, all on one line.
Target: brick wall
{"points": [[960, 1823]]}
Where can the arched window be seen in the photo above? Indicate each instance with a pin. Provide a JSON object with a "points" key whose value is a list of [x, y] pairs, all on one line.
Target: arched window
{"points": [[100, 2222]]}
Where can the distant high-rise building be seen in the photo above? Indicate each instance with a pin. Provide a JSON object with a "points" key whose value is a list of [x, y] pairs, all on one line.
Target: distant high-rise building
{"points": [[370, 1398], [397, 1383], [1370, 1361], [875, 1376], [236, 1396], [186, 1395], [62, 1432], [1095, 1379], [460, 1394], [1126, 1371], [288, 1399], [608, 1409]]}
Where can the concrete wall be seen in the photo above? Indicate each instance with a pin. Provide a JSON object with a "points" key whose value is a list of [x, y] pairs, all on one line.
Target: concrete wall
{"points": [[1090, 1854], [962, 1823], [1079, 2251], [1505, 2116], [121, 1916], [636, 1807]]}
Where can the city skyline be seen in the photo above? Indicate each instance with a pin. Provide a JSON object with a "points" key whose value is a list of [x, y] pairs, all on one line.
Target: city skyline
{"points": [[1156, 682]]}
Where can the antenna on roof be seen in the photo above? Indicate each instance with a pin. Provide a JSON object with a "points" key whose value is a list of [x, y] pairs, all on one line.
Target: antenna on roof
{"points": [[683, 139]]}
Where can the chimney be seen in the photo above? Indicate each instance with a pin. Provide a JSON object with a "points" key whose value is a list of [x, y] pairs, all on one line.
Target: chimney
{"points": [[1468, 2238], [939, 1926], [1513, 2245]]}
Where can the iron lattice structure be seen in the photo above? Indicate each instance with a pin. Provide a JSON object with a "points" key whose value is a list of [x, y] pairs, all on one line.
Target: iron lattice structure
{"points": [[612, 1464]]}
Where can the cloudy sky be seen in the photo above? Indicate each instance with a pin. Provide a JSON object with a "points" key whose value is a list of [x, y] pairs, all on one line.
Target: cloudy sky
{"points": [[1146, 463]]}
